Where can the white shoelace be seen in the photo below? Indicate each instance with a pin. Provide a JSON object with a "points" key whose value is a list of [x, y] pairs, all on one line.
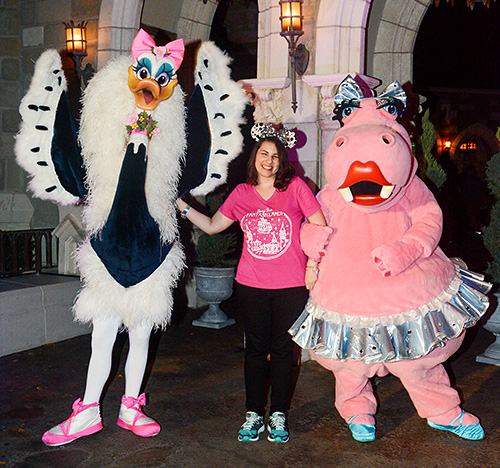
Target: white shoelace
{"points": [[250, 422], [278, 421]]}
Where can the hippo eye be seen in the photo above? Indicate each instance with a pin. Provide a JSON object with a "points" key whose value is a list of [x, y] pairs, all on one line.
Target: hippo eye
{"points": [[344, 109], [391, 108], [347, 111]]}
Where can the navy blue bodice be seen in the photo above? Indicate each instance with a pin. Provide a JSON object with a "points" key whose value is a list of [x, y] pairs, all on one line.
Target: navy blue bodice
{"points": [[130, 245]]}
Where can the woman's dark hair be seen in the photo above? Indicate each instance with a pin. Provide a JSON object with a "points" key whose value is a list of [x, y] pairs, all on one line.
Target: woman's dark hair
{"points": [[285, 172]]}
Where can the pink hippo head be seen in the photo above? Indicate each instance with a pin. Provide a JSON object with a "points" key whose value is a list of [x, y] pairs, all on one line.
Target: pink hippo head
{"points": [[369, 161]]}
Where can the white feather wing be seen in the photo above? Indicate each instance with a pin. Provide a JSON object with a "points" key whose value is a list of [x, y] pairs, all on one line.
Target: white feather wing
{"points": [[33, 142], [225, 103]]}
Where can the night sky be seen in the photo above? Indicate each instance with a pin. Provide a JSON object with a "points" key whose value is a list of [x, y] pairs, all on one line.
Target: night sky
{"points": [[458, 48]]}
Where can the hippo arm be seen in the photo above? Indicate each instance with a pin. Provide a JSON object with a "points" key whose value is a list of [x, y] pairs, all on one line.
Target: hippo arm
{"points": [[420, 240], [313, 237]]}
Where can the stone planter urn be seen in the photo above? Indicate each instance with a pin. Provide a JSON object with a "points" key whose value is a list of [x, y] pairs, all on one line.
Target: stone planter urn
{"points": [[214, 285], [492, 353]]}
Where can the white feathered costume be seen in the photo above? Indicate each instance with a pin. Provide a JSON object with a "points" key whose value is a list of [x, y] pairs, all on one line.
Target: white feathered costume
{"points": [[129, 182], [107, 103]]}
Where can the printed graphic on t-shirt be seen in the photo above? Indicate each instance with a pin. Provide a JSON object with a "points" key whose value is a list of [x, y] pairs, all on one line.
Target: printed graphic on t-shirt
{"points": [[268, 233]]}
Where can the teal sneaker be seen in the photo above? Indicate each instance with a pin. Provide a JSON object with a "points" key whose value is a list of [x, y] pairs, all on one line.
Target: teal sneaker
{"points": [[278, 428], [251, 428]]}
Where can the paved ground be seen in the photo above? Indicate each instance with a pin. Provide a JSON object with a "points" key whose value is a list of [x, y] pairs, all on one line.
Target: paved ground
{"points": [[195, 388]]}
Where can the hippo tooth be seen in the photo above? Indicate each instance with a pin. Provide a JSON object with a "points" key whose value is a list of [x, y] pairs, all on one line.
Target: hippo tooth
{"points": [[386, 191], [346, 194]]}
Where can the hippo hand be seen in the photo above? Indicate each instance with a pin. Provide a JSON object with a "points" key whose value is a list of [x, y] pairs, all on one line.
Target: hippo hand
{"points": [[313, 240], [393, 259]]}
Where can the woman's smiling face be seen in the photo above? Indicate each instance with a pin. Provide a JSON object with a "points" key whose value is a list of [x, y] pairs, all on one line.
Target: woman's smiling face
{"points": [[267, 160]]}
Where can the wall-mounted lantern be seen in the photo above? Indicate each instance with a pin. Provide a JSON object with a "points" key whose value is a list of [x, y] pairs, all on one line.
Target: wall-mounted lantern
{"points": [[76, 46], [292, 27]]}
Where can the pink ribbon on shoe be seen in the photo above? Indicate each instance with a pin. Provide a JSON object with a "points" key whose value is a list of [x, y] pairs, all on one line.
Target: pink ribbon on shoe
{"points": [[143, 43], [77, 408], [131, 401], [148, 429], [77, 405]]}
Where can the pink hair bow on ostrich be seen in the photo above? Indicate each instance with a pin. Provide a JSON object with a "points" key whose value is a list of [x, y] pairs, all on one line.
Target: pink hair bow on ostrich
{"points": [[143, 43]]}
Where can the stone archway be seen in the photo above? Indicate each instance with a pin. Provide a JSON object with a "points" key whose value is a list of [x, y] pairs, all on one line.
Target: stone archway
{"points": [[119, 21], [118, 24], [344, 21], [342, 25], [395, 39]]}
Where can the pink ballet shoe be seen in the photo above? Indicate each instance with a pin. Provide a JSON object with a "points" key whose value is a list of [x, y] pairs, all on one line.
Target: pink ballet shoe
{"points": [[85, 420], [133, 419]]}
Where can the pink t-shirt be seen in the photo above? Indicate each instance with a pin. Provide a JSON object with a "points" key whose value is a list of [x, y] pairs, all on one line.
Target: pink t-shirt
{"points": [[272, 257]]}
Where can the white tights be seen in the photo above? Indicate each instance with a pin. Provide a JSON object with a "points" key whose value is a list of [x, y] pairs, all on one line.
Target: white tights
{"points": [[103, 338]]}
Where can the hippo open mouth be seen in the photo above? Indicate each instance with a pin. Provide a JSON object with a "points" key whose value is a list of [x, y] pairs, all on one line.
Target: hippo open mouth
{"points": [[365, 184]]}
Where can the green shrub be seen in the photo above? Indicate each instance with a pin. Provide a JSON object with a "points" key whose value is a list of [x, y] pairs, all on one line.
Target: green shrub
{"points": [[491, 233], [217, 250]]}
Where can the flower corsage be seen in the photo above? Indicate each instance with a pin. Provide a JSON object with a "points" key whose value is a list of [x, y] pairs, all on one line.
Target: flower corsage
{"points": [[143, 124]]}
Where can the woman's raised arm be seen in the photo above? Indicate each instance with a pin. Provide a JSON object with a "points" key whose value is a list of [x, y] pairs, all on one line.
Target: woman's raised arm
{"points": [[217, 223]]}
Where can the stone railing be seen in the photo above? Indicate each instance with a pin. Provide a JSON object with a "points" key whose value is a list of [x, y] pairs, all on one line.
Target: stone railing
{"points": [[28, 251]]}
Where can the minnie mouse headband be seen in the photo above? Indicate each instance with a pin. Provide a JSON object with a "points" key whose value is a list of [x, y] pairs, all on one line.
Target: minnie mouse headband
{"points": [[262, 130]]}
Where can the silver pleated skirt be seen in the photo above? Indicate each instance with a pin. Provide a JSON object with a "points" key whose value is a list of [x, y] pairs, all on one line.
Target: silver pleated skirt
{"points": [[408, 335]]}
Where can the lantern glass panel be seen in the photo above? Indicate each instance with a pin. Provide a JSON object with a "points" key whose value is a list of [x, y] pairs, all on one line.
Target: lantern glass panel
{"points": [[291, 16]]}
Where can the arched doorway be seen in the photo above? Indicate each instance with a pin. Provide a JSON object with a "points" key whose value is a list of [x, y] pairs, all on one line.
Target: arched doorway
{"points": [[234, 30], [473, 148]]}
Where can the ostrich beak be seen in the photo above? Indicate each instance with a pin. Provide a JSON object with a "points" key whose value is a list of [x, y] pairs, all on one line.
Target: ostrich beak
{"points": [[148, 93]]}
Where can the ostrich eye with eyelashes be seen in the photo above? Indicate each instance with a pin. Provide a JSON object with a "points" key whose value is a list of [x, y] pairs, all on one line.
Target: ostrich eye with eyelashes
{"points": [[142, 73], [164, 75], [142, 70], [163, 79]]}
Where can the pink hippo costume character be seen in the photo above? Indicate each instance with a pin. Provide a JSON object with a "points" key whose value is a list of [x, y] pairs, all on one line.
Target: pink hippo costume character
{"points": [[387, 299]]}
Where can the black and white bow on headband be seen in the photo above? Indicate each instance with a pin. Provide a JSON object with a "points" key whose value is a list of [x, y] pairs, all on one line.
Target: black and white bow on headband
{"points": [[262, 130], [349, 95]]}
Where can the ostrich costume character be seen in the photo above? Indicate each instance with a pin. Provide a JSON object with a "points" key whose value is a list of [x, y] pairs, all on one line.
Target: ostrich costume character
{"points": [[387, 299], [137, 149]]}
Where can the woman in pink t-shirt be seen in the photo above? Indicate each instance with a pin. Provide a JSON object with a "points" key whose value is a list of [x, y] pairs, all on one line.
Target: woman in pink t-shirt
{"points": [[273, 275]]}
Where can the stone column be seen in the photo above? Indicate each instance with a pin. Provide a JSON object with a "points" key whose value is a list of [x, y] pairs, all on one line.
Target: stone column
{"points": [[70, 232], [271, 99], [267, 97]]}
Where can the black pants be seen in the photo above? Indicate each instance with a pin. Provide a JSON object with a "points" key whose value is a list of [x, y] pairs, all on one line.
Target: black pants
{"points": [[267, 315]]}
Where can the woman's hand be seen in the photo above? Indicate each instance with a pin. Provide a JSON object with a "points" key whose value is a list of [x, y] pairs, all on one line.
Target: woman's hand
{"points": [[311, 274], [311, 277], [181, 204], [217, 223]]}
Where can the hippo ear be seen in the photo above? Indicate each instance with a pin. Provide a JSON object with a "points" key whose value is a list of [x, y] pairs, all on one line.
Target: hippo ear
{"points": [[393, 99]]}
